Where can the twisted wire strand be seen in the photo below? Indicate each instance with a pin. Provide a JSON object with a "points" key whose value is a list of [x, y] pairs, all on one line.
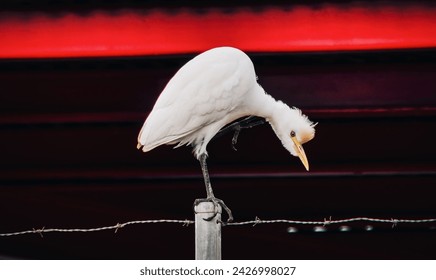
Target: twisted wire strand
{"points": [[331, 222], [114, 227], [254, 222]]}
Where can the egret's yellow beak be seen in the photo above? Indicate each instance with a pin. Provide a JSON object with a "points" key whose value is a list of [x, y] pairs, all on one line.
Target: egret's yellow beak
{"points": [[300, 152]]}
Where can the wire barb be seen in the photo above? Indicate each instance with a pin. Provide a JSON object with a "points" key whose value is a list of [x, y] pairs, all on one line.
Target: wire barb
{"points": [[40, 231], [118, 226], [256, 221], [327, 222], [187, 223]]}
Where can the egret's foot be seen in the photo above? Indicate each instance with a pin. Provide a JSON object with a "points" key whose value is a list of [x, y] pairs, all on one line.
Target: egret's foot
{"points": [[216, 202], [238, 125], [235, 138]]}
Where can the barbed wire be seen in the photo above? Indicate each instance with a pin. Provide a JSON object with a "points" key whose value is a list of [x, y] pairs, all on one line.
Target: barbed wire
{"points": [[114, 227], [254, 222], [329, 221]]}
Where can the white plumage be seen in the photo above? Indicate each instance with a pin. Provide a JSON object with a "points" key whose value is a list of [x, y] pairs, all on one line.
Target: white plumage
{"points": [[210, 91]]}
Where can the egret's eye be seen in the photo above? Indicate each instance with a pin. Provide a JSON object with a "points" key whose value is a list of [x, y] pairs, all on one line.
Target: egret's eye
{"points": [[292, 133]]}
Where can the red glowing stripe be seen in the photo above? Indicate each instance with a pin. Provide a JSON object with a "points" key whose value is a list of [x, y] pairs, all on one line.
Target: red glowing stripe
{"points": [[157, 32]]}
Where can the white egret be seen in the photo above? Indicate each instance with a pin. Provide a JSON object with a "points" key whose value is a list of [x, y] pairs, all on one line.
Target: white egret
{"points": [[210, 91]]}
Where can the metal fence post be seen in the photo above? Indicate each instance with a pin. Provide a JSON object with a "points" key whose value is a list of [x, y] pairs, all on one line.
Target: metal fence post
{"points": [[207, 233]]}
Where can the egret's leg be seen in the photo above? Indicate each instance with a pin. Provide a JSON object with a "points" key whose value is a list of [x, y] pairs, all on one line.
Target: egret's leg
{"points": [[209, 192], [247, 122], [207, 183]]}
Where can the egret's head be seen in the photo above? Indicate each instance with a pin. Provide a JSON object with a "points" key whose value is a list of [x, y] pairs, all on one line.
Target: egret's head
{"points": [[294, 129]]}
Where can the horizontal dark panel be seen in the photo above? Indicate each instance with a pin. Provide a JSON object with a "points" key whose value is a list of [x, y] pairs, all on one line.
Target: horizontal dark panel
{"points": [[269, 197], [400, 140], [308, 81], [127, 118]]}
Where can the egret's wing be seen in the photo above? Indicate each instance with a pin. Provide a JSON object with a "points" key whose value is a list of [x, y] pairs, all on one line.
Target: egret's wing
{"points": [[203, 91]]}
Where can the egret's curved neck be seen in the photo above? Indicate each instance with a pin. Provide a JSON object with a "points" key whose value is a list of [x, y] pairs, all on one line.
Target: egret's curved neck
{"points": [[265, 106]]}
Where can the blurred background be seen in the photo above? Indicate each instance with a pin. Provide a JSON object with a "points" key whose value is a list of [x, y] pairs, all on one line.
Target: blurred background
{"points": [[78, 78]]}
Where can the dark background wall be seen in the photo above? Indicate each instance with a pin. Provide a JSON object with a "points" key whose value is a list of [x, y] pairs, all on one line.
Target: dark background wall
{"points": [[68, 131]]}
